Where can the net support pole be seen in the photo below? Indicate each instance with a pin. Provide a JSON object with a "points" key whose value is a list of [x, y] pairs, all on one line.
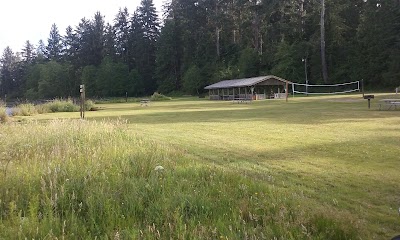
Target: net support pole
{"points": [[293, 89]]}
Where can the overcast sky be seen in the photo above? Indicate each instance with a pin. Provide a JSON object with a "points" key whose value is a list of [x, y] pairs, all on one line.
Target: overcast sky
{"points": [[22, 20]]}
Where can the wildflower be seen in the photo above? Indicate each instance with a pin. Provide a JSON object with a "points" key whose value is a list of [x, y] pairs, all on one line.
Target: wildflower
{"points": [[159, 168]]}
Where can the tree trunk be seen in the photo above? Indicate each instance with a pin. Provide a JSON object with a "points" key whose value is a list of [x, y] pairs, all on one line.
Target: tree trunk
{"points": [[323, 57], [302, 12], [217, 30]]}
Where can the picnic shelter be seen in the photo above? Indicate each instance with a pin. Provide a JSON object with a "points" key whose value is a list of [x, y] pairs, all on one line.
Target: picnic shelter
{"points": [[255, 88]]}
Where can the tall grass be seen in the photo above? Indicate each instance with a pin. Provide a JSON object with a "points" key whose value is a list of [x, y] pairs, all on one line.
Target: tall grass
{"points": [[79, 179], [25, 109], [3, 114], [159, 97], [56, 105]]}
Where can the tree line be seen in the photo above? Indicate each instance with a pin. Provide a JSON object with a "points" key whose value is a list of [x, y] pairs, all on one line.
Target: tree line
{"points": [[200, 42]]}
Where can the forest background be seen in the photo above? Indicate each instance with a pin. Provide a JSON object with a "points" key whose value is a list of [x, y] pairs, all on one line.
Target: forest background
{"points": [[199, 42]]}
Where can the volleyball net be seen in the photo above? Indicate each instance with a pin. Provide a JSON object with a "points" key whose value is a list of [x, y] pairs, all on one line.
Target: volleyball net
{"points": [[319, 89]]}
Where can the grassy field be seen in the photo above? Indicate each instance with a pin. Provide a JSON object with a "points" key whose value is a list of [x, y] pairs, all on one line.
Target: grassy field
{"points": [[312, 168]]}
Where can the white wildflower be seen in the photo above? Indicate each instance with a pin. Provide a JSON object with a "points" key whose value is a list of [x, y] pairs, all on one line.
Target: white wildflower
{"points": [[159, 168]]}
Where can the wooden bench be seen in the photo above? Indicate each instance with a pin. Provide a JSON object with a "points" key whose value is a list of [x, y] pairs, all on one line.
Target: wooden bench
{"points": [[144, 102], [389, 103], [241, 100]]}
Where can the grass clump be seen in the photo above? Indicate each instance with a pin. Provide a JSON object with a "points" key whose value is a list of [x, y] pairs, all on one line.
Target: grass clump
{"points": [[3, 114], [116, 100], [89, 105], [24, 109], [60, 183], [159, 97], [58, 105]]}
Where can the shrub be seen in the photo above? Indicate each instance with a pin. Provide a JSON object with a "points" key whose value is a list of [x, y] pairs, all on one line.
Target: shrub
{"points": [[42, 108], [89, 105], [25, 109], [61, 106], [159, 97]]}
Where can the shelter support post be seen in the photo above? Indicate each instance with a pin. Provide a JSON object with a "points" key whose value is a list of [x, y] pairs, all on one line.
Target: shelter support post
{"points": [[287, 90]]}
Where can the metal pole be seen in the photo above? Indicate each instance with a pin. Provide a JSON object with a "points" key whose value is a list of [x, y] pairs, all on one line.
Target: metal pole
{"points": [[305, 72], [293, 89]]}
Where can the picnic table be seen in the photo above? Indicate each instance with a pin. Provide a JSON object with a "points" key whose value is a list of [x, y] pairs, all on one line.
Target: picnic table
{"points": [[144, 102], [241, 100], [389, 103]]}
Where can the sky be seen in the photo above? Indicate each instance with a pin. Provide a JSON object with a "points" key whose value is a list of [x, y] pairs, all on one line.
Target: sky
{"points": [[22, 20]]}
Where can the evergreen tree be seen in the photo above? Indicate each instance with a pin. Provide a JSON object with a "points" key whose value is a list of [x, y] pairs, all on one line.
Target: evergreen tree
{"points": [[121, 28], [98, 42], [89, 78], [9, 63], [147, 17], [28, 52], [110, 42], [70, 45], [169, 55], [54, 46], [41, 51], [84, 40]]}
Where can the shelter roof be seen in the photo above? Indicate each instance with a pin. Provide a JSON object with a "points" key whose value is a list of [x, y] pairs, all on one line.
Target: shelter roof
{"points": [[244, 82]]}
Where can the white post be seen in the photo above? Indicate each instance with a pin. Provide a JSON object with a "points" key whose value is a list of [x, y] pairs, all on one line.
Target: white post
{"points": [[293, 89]]}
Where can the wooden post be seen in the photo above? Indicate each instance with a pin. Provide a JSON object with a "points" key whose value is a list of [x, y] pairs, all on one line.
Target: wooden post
{"points": [[82, 105]]}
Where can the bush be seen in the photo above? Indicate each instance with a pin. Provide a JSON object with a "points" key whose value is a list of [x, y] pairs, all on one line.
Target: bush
{"points": [[42, 108], [25, 109], [159, 97], [89, 105], [61, 106]]}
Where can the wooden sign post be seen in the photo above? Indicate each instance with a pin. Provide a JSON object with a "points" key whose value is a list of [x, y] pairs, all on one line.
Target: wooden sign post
{"points": [[82, 105]]}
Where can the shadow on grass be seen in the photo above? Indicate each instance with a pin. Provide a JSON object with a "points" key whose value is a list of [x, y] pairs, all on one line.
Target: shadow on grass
{"points": [[365, 176]]}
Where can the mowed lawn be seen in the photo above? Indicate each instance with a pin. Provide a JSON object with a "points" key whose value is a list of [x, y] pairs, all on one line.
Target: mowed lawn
{"points": [[338, 156]]}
